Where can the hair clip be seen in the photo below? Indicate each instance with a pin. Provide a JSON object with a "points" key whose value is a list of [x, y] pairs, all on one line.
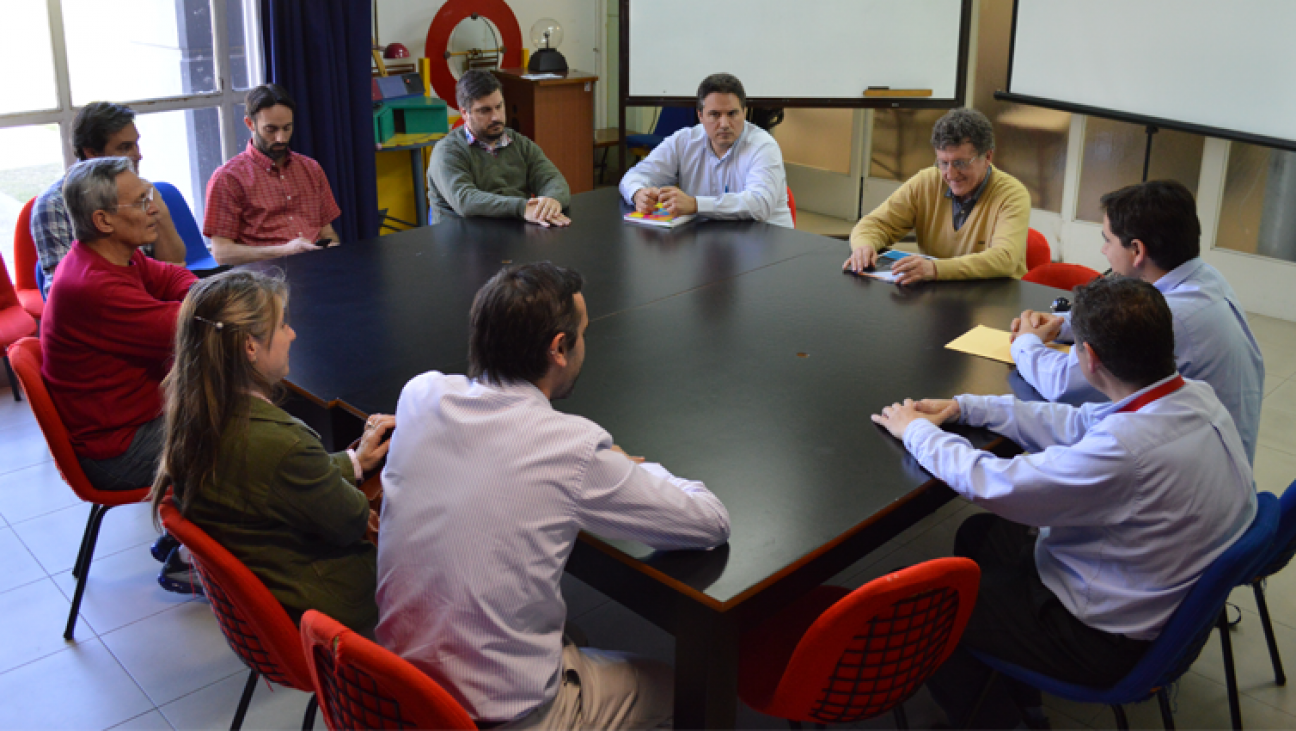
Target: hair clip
{"points": [[218, 325]]}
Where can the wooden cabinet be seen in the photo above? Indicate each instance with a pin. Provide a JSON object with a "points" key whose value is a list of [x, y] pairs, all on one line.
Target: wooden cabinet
{"points": [[558, 115]]}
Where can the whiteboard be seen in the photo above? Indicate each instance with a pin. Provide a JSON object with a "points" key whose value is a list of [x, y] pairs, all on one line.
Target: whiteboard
{"points": [[1222, 65], [794, 49]]}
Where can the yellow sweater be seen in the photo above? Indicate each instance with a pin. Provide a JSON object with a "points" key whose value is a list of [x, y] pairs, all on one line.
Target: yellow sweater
{"points": [[991, 243]]}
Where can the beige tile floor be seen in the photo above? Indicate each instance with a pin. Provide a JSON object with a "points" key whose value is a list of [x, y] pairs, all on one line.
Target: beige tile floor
{"points": [[145, 659]]}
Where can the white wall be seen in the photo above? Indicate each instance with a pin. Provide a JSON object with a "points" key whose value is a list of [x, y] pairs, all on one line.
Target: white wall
{"points": [[407, 22]]}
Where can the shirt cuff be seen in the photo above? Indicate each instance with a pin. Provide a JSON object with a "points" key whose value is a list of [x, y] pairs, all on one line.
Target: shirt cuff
{"points": [[1023, 342], [355, 464], [706, 204], [918, 431]]}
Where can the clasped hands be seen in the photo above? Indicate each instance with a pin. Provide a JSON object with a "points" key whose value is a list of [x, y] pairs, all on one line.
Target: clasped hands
{"points": [[545, 212], [1042, 325], [675, 201]]}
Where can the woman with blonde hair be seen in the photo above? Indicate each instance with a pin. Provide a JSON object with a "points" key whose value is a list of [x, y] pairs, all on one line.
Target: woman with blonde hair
{"points": [[257, 480]]}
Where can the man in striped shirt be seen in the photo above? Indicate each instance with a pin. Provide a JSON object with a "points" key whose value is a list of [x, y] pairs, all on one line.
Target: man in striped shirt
{"points": [[485, 491]]}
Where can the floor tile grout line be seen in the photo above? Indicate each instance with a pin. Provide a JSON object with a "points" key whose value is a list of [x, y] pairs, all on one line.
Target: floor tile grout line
{"points": [[141, 715]]}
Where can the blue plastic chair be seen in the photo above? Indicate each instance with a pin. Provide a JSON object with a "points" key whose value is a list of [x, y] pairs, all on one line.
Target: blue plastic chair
{"points": [[1280, 553], [670, 121], [1182, 638], [40, 281], [197, 257]]}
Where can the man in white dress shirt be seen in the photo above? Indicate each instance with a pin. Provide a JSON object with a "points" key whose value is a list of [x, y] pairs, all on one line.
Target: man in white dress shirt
{"points": [[485, 490], [722, 168], [1132, 499], [1151, 232]]}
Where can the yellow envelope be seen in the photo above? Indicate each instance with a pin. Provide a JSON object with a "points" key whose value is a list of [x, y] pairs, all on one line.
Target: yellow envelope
{"points": [[992, 343]]}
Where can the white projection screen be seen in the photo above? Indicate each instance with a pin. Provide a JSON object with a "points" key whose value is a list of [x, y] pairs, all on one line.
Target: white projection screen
{"points": [[804, 52], [1221, 68]]}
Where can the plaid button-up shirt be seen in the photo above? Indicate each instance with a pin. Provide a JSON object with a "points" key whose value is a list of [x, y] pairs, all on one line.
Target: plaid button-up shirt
{"points": [[257, 201]]}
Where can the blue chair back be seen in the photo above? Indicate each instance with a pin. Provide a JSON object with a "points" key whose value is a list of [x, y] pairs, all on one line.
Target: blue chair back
{"points": [[1284, 543], [40, 281], [1184, 636], [669, 121], [197, 257]]}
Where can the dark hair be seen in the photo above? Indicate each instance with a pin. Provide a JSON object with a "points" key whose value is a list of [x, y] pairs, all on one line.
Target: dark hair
{"points": [[1128, 324], [515, 317], [473, 85], [721, 84], [266, 96], [211, 384], [1160, 213], [95, 123], [963, 125]]}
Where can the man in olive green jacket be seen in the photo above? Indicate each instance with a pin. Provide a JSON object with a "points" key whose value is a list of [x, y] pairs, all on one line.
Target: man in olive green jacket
{"points": [[480, 169]]}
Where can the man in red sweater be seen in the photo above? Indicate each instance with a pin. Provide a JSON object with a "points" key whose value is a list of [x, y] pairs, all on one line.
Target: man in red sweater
{"points": [[109, 326]]}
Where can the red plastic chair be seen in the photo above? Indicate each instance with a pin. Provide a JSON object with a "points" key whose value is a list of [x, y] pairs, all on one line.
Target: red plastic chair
{"points": [[1061, 276], [25, 260], [254, 623], [15, 323], [1038, 252], [26, 358], [362, 685], [792, 205], [837, 656]]}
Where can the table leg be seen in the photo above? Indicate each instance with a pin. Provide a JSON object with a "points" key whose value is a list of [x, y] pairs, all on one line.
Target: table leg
{"points": [[706, 672], [420, 185]]}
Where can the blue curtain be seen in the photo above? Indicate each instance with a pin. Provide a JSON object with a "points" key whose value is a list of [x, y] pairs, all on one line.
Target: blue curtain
{"points": [[319, 50]]}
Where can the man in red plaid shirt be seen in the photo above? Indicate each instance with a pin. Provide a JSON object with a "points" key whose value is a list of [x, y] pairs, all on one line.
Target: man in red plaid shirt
{"points": [[269, 201]]}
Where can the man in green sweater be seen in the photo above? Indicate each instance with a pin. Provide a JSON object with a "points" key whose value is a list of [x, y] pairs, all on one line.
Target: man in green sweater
{"points": [[481, 169], [971, 216]]}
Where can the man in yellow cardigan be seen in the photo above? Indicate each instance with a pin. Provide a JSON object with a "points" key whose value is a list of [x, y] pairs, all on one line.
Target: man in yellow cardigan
{"points": [[965, 212]]}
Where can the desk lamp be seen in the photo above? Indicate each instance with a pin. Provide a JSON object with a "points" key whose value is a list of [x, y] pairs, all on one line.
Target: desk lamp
{"points": [[547, 35]]}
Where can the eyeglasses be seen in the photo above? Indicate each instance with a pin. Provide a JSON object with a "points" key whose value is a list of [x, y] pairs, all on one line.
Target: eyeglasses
{"points": [[958, 165], [143, 203]]}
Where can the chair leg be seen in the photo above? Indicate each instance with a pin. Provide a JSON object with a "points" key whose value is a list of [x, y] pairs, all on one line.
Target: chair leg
{"points": [[1167, 716], [976, 707], [85, 539], [13, 382], [248, 689], [1230, 675], [901, 720], [308, 722], [1279, 676], [87, 555], [1122, 722]]}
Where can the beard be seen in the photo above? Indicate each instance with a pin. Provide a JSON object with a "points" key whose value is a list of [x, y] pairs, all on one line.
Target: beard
{"points": [[566, 389], [491, 134], [272, 151]]}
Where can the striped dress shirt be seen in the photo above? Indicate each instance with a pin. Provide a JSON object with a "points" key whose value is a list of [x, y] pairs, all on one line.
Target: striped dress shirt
{"points": [[485, 490]]}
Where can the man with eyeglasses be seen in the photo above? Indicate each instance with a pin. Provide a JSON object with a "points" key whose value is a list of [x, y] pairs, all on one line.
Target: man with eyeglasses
{"points": [[970, 218], [108, 331], [101, 129]]}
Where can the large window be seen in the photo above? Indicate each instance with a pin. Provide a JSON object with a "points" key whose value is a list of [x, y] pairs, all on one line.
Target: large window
{"points": [[182, 65]]}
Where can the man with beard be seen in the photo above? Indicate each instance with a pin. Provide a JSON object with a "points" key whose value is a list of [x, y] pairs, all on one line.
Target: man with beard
{"points": [[101, 129], [269, 201], [481, 169], [485, 491]]}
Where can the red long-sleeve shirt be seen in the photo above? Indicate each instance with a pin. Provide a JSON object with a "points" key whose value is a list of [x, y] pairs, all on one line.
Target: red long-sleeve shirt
{"points": [[107, 337]]}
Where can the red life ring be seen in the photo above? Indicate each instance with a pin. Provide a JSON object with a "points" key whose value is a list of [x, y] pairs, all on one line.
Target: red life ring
{"points": [[444, 23]]}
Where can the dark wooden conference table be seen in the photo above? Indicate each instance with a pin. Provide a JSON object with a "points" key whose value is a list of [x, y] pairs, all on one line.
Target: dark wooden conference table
{"points": [[734, 353]]}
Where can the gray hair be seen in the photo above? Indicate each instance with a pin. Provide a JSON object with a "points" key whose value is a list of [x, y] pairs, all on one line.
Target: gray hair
{"points": [[89, 186], [963, 125]]}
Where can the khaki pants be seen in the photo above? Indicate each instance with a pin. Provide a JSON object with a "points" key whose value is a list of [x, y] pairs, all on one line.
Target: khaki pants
{"points": [[606, 690]]}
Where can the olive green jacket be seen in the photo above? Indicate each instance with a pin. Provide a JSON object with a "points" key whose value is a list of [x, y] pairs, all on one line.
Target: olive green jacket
{"points": [[291, 512]]}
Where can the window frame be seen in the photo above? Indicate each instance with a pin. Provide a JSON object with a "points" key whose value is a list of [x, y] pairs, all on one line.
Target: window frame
{"points": [[226, 98]]}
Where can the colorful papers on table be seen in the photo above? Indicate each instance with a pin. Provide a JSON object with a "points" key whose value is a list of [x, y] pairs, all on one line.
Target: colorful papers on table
{"points": [[660, 217], [992, 343]]}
